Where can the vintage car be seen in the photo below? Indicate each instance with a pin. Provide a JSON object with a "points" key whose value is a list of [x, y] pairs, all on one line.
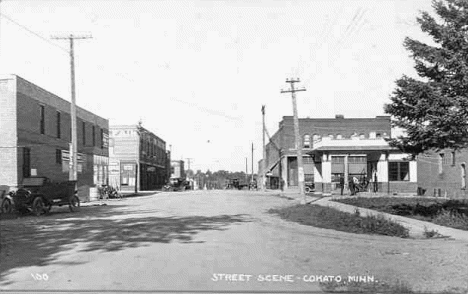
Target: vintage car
{"points": [[39, 194], [6, 201]]}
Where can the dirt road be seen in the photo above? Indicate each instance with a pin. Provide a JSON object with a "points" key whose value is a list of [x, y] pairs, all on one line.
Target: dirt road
{"points": [[211, 241]]}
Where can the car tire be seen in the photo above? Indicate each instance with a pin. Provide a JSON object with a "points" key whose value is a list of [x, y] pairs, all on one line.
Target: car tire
{"points": [[74, 204], [38, 207], [7, 207]]}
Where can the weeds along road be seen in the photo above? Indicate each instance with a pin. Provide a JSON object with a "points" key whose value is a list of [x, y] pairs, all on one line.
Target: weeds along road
{"points": [[187, 240]]}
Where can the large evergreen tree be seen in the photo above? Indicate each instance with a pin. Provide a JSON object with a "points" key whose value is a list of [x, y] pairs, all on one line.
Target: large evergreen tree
{"points": [[433, 110]]}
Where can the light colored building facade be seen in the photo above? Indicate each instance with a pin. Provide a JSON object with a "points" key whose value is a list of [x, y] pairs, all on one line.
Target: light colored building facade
{"points": [[177, 169], [35, 134], [138, 159]]}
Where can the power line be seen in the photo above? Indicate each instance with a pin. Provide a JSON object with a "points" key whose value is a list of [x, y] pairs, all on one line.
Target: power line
{"points": [[32, 32]]}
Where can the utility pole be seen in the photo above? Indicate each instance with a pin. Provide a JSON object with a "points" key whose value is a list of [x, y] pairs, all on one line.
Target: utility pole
{"points": [[73, 175], [300, 167], [246, 170], [263, 178], [251, 180]]}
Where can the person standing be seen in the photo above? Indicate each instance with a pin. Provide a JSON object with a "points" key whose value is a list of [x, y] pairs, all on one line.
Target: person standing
{"points": [[342, 181], [351, 186]]}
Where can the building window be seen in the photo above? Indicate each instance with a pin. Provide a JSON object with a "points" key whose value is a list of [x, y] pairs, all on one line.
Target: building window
{"points": [[102, 138], [372, 135], [306, 141], [59, 125], [362, 136], [378, 135], [83, 126], [94, 136], [58, 156], [26, 162], [307, 159], [442, 159], [453, 158], [42, 123], [463, 176], [398, 171], [337, 159], [330, 136], [339, 136], [315, 137]]}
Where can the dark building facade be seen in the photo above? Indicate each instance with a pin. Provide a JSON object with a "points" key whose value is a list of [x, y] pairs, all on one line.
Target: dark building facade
{"points": [[138, 159], [35, 134], [339, 147]]}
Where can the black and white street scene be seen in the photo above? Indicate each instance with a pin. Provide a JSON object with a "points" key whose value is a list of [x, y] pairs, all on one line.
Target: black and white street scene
{"points": [[236, 146]]}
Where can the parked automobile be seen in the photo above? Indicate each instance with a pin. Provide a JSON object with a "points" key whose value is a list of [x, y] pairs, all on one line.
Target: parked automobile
{"points": [[39, 194], [177, 184], [6, 201]]}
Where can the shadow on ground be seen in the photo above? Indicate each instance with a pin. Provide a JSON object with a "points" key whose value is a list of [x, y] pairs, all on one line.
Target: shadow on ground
{"points": [[38, 241]]}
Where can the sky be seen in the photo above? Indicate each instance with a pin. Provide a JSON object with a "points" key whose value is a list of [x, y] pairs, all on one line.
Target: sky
{"points": [[197, 72]]}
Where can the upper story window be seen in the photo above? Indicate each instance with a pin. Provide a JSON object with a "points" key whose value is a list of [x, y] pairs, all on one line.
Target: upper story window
{"points": [[306, 141], [362, 136], [102, 138], [372, 135], [315, 137], [378, 135], [339, 136], [42, 119], [83, 127], [331, 136], [59, 127], [94, 135]]}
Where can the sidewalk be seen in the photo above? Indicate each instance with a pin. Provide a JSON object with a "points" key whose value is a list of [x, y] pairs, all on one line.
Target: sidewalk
{"points": [[416, 227]]}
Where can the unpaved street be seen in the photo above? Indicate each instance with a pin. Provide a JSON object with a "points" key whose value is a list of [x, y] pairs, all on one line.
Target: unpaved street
{"points": [[187, 240]]}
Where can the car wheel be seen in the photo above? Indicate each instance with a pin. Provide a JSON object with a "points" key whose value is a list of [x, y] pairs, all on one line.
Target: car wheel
{"points": [[38, 207], [74, 203], [6, 206]]}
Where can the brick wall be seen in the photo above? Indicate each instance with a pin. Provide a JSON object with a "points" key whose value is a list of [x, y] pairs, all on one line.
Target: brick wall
{"points": [[8, 142], [449, 180]]}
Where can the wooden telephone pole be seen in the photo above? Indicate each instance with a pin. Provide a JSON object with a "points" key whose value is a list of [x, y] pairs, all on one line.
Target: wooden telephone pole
{"points": [[263, 175], [73, 174], [300, 167]]}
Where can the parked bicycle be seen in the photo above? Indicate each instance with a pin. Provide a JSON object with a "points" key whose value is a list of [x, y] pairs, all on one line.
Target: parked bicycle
{"points": [[107, 191]]}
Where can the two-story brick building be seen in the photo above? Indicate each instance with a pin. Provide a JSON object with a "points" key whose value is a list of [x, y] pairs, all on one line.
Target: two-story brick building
{"points": [[138, 159], [35, 134], [339, 147]]}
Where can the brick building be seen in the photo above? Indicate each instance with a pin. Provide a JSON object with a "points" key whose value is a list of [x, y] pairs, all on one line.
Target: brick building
{"points": [[35, 133], [444, 173], [138, 159], [339, 147]]}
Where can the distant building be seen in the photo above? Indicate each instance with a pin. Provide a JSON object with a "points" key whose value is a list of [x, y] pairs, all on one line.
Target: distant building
{"points": [[177, 169], [138, 159], [339, 147], [35, 135]]}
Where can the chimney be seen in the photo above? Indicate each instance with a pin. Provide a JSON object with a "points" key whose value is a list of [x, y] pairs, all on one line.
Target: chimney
{"points": [[339, 116]]}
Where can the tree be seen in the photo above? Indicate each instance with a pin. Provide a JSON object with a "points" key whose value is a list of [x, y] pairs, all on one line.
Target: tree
{"points": [[434, 109]]}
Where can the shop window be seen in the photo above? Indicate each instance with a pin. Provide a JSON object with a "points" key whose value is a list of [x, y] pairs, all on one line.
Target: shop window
{"points": [[398, 171], [306, 141]]}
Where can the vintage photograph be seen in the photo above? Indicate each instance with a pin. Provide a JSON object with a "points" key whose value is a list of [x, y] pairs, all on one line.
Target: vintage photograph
{"points": [[233, 146]]}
